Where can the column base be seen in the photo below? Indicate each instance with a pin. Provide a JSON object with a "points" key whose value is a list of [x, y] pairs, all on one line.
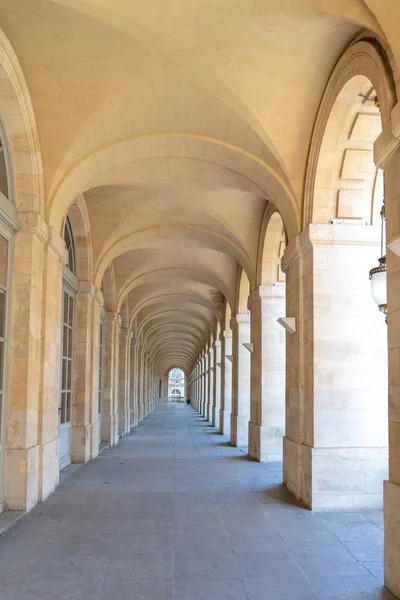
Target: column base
{"points": [[80, 443], [224, 422], [264, 444], [109, 429], [335, 478], [22, 479], [215, 417], [123, 421], [240, 430], [49, 461], [392, 535]]}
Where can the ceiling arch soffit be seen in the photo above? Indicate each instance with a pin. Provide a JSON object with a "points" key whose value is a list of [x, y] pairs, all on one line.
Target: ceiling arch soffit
{"points": [[103, 166], [365, 57], [195, 275]]}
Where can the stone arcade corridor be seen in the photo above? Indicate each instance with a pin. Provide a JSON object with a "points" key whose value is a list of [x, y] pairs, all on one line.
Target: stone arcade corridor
{"points": [[176, 513]]}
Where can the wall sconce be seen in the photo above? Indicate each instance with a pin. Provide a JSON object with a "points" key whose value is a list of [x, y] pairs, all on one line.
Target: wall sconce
{"points": [[377, 275], [249, 347]]}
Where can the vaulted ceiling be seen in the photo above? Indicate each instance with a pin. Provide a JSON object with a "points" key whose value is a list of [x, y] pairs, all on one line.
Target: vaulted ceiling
{"points": [[178, 121]]}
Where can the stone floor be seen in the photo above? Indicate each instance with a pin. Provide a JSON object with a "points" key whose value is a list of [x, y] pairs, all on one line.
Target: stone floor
{"points": [[174, 512]]}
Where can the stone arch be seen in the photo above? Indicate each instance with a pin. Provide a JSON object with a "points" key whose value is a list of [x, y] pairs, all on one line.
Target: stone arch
{"points": [[100, 168], [109, 288], [80, 225], [243, 292], [21, 132], [271, 247], [364, 58]]}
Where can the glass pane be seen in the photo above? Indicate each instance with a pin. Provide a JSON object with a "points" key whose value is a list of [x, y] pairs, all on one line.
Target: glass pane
{"points": [[69, 369], [1, 364], [2, 313], [65, 340], [64, 375], [69, 343], [3, 260], [68, 407], [66, 299], [3, 175], [63, 403], [71, 312]]}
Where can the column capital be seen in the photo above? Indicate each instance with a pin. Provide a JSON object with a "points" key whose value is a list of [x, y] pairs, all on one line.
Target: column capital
{"points": [[217, 344], [266, 292], [240, 319], [111, 317], [388, 142], [226, 334]]}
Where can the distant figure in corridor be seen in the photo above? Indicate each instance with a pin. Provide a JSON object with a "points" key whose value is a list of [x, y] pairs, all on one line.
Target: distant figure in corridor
{"points": [[188, 401]]}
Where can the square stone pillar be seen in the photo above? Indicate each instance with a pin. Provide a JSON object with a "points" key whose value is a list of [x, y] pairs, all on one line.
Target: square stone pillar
{"points": [[392, 486], [226, 383], [109, 415], [54, 257], [132, 383], [31, 445], [217, 384], [267, 410], [145, 383], [210, 383], [205, 385], [240, 416], [140, 382], [85, 436], [123, 383], [335, 454]]}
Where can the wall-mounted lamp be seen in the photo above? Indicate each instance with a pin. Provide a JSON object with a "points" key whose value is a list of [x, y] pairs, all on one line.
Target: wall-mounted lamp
{"points": [[377, 275], [288, 323], [229, 357], [249, 347]]}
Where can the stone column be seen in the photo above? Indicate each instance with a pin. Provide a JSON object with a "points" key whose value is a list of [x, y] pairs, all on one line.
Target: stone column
{"points": [[336, 436], [267, 410], [132, 384], [217, 384], [109, 416], [205, 385], [210, 383], [54, 257], [84, 418], [240, 416], [145, 383], [392, 486], [201, 385], [123, 387], [140, 383], [226, 383], [32, 457]]}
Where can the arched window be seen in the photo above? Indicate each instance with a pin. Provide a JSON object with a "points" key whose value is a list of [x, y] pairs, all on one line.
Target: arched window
{"points": [[69, 242]]}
